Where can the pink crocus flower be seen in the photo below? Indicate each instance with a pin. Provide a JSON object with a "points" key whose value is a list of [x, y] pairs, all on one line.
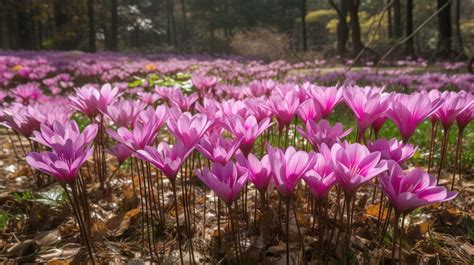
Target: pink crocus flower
{"points": [[120, 151], [145, 130], [323, 132], [189, 129], [355, 165], [367, 105], [124, 113], [288, 167], [246, 129], [218, 149], [63, 163], [225, 180], [70, 150], [202, 82], [408, 111], [409, 191], [453, 105], [259, 171], [59, 133], [284, 108], [22, 119], [392, 149], [27, 93], [183, 102], [166, 158], [90, 100], [309, 110], [327, 97], [321, 178]]}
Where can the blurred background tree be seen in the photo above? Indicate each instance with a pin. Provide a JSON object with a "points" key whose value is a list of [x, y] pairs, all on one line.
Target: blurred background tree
{"points": [[308, 27]]}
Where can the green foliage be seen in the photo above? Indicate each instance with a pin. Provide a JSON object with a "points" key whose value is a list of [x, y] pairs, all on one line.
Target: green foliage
{"points": [[3, 220], [470, 228]]}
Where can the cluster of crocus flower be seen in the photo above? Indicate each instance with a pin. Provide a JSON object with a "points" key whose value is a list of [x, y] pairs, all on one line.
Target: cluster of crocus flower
{"points": [[228, 136]]}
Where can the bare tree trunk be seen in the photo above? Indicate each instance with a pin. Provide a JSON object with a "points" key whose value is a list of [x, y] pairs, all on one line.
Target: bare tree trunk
{"points": [[185, 23], [114, 26], [90, 15], [342, 27], [303, 24], [355, 26], [458, 26], [409, 48], [444, 28], [389, 22], [397, 9]]}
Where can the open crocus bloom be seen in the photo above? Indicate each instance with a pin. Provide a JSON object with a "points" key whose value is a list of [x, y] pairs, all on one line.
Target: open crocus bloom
{"points": [[189, 129], [366, 104], [284, 108], [259, 171], [288, 167], [59, 133], [124, 113], [408, 111], [90, 100], [454, 104], [321, 177], [224, 180], [166, 158], [322, 132], [412, 190], [309, 110], [218, 149], [327, 97], [392, 149], [63, 162], [354, 165], [248, 130]]}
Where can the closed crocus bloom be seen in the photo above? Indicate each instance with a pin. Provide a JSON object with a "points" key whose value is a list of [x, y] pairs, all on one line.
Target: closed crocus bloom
{"points": [[259, 171], [327, 97], [407, 192], [218, 149], [166, 158], [355, 165], [320, 178], [408, 111], [392, 149], [189, 129], [452, 106], [91, 101], [288, 167], [224, 180], [246, 129], [366, 104], [284, 108], [59, 133], [309, 110], [323, 132]]}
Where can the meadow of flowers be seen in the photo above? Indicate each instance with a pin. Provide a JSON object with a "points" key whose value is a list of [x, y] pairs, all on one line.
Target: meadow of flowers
{"points": [[200, 160]]}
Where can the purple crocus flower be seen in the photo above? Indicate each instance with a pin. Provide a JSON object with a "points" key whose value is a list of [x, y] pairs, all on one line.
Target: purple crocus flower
{"points": [[225, 180], [218, 149], [409, 191], [323, 132], [259, 171], [392, 149]]}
